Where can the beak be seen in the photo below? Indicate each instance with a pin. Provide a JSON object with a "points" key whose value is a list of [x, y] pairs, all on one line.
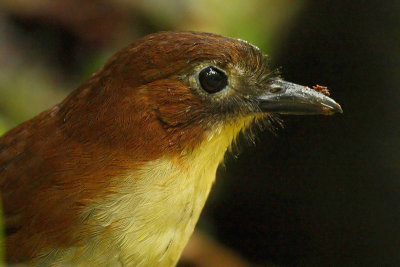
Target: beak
{"points": [[289, 98]]}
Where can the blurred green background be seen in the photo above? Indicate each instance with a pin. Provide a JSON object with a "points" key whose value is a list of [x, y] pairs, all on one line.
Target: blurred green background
{"points": [[324, 190]]}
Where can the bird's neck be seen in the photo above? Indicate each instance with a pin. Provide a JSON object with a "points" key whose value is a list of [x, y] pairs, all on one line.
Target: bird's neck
{"points": [[168, 198], [151, 216]]}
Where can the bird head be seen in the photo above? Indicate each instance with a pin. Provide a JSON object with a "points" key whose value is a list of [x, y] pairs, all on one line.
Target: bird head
{"points": [[181, 87]]}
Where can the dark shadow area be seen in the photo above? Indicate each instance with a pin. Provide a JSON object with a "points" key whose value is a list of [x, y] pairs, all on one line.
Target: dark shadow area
{"points": [[326, 191]]}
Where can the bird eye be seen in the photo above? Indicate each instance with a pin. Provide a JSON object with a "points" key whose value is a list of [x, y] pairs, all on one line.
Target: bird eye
{"points": [[212, 80]]}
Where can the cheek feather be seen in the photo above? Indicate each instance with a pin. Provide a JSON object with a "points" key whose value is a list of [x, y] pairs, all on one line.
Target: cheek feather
{"points": [[183, 115]]}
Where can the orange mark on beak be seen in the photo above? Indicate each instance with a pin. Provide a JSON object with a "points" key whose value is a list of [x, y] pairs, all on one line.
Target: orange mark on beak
{"points": [[322, 89]]}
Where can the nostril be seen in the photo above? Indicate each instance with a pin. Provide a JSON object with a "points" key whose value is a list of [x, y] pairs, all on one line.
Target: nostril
{"points": [[275, 90]]}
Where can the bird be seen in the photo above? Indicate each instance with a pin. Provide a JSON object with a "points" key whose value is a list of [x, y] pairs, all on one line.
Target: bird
{"points": [[118, 173]]}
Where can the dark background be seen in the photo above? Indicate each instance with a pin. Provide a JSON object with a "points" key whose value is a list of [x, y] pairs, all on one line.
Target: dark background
{"points": [[326, 191], [322, 190]]}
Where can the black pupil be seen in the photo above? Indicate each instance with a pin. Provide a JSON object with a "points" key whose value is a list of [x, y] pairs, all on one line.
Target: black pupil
{"points": [[212, 79]]}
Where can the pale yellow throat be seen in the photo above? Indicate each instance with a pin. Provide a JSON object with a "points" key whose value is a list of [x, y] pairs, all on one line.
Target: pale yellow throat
{"points": [[150, 219]]}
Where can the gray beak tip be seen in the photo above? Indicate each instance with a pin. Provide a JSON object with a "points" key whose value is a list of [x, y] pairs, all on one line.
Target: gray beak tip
{"points": [[332, 109]]}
